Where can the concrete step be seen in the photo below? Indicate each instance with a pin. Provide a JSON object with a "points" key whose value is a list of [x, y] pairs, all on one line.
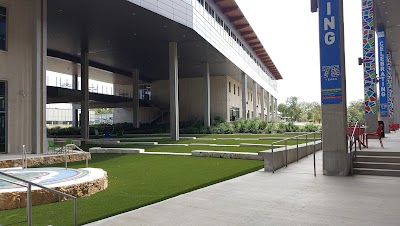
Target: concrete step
{"points": [[375, 165], [377, 172], [379, 159], [378, 153]]}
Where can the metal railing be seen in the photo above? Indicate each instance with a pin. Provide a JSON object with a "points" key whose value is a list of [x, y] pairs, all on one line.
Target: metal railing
{"points": [[297, 147], [352, 139], [24, 158], [79, 150], [29, 185]]}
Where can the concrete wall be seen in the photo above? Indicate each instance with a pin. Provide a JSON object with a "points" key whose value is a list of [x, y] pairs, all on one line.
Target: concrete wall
{"points": [[235, 99], [146, 115], [191, 97], [277, 159], [16, 70]]}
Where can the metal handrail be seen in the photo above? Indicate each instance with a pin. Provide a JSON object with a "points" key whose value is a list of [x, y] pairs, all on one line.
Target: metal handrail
{"points": [[351, 141], [79, 150], [297, 148], [28, 185], [24, 157]]}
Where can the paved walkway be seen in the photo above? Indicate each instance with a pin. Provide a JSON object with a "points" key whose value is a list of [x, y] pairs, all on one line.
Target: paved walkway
{"points": [[291, 196]]}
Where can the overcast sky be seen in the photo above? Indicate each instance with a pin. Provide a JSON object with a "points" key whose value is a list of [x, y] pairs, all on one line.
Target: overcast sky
{"points": [[289, 33]]}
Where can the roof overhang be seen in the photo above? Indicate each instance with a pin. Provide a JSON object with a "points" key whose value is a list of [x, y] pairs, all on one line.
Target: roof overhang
{"points": [[235, 15]]}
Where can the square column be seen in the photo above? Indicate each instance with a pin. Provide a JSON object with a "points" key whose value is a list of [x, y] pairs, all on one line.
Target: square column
{"points": [[206, 87], [74, 105], [244, 95], [262, 104], [255, 99], [369, 66], [267, 107], [173, 90], [272, 108], [276, 109], [135, 97], [336, 160], [383, 70], [39, 93], [85, 95]]}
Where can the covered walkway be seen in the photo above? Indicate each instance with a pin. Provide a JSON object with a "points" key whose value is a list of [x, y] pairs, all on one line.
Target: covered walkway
{"points": [[290, 196]]}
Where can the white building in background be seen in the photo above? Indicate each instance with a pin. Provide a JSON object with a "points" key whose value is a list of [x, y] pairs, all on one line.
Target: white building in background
{"points": [[170, 59]]}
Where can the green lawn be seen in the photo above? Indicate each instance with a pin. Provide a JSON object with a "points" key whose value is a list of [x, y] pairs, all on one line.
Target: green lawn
{"points": [[188, 149], [135, 181]]}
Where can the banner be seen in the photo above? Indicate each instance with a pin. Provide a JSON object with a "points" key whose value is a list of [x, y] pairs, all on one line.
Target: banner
{"points": [[384, 110], [330, 52], [389, 83]]}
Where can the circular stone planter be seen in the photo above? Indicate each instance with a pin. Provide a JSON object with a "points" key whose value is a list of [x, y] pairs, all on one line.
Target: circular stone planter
{"points": [[76, 182]]}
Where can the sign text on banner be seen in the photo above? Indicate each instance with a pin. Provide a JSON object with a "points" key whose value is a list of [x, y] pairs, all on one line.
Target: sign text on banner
{"points": [[384, 110], [330, 52]]}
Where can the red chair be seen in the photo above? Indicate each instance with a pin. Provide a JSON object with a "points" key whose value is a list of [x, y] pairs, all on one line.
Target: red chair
{"points": [[378, 134]]}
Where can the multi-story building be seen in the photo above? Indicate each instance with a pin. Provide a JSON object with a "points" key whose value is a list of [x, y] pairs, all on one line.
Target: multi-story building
{"points": [[184, 59]]}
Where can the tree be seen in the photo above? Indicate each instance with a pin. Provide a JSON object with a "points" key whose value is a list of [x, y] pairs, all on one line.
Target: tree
{"points": [[283, 109], [355, 111], [101, 111], [291, 108], [316, 112]]}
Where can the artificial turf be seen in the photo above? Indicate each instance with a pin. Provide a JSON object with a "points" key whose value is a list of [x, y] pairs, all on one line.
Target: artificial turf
{"points": [[135, 181]]}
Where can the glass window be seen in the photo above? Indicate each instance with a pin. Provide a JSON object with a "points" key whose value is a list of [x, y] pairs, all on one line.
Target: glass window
{"points": [[3, 28], [229, 86]]}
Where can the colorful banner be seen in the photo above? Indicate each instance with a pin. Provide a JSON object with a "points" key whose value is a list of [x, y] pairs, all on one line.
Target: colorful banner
{"points": [[370, 106], [330, 52], [390, 83], [384, 110]]}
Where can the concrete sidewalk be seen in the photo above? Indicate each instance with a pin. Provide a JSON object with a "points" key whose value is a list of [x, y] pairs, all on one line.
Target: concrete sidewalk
{"points": [[290, 196]]}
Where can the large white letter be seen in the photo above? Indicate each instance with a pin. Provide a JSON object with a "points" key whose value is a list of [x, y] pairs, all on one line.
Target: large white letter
{"points": [[329, 38], [330, 23], [328, 8]]}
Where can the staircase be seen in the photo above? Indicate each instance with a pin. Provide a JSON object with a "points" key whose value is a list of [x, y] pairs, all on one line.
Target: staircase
{"points": [[378, 163]]}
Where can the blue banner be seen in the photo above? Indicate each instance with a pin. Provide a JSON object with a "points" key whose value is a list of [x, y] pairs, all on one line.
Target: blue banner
{"points": [[330, 52], [384, 109]]}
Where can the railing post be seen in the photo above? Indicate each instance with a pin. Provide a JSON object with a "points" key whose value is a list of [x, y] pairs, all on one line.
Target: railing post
{"points": [[65, 156], [286, 151], [87, 159], [272, 157], [315, 171], [307, 145], [29, 204], [297, 141]]}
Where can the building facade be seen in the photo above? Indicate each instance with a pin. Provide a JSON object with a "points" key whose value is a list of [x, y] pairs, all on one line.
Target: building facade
{"points": [[182, 59]]}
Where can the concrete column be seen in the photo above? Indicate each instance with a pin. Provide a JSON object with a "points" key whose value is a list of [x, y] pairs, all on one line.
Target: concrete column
{"points": [[244, 95], [272, 99], [206, 87], [262, 104], [276, 109], [255, 99], [85, 94], [396, 96], [173, 90], [39, 93], [135, 97], [267, 106], [334, 114], [74, 105], [369, 66]]}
